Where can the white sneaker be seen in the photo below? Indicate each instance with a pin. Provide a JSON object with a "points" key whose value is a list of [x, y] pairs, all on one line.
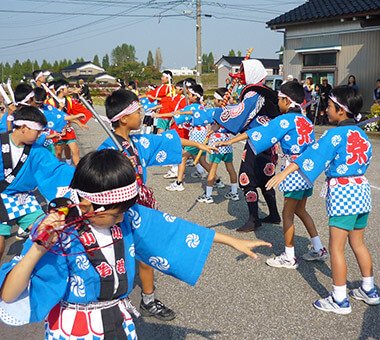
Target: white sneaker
{"points": [[312, 255], [329, 304], [197, 174], [175, 187], [282, 261], [231, 196], [171, 174], [205, 199], [371, 297], [219, 184], [189, 162]]}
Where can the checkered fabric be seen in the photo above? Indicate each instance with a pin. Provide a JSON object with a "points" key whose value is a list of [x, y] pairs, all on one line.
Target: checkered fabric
{"points": [[350, 199], [18, 206], [198, 134], [294, 182], [221, 137]]}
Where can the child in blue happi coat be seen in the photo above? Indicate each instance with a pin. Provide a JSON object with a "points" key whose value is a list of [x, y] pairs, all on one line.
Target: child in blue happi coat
{"points": [[295, 133], [85, 292], [144, 150], [344, 153], [225, 155]]}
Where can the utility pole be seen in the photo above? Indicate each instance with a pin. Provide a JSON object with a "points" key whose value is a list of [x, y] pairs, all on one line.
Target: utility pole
{"points": [[199, 42]]}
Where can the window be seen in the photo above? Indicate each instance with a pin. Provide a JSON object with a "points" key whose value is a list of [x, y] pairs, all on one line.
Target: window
{"points": [[320, 59]]}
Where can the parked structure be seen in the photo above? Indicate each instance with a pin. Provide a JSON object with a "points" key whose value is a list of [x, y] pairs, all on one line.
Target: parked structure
{"points": [[333, 39]]}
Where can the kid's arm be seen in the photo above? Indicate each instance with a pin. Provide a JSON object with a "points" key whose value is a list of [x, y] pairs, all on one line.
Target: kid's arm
{"points": [[241, 245], [277, 179], [238, 138], [18, 278], [200, 146]]}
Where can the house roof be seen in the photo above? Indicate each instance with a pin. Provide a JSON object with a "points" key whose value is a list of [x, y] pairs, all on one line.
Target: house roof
{"points": [[317, 10], [79, 65], [236, 61]]}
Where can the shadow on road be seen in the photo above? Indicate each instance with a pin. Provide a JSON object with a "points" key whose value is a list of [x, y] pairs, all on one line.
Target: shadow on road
{"points": [[158, 331]]}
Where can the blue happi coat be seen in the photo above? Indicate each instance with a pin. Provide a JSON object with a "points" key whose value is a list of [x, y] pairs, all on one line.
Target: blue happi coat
{"points": [[294, 132], [153, 150], [40, 170], [344, 154], [180, 251]]}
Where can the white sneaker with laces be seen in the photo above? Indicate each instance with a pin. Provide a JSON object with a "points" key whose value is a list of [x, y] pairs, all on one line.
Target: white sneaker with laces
{"points": [[232, 197], [282, 261], [312, 255], [197, 174], [219, 184], [171, 174], [370, 298], [205, 199], [329, 304], [175, 187]]}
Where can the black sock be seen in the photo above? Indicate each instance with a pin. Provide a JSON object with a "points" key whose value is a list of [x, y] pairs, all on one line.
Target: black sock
{"points": [[178, 182]]}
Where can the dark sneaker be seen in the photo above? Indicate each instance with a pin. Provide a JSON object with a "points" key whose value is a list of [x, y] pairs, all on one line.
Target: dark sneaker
{"points": [[271, 219], [249, 226], [157, 309], [22, 234]]}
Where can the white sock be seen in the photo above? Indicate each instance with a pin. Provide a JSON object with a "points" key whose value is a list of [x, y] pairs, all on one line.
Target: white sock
{"points": [[69, 161], [368, 283], [147, 298], [317, 244], [200, 168], [289, 251], [174, 169], [208, 191], [148, 129], [339, 293], [234, 187]]}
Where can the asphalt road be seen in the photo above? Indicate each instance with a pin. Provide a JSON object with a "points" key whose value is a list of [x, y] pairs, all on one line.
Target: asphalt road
{"points": [[239, 298]]}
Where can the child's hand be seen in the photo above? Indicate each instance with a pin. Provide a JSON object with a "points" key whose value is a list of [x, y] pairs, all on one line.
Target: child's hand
{"points": [[208, 148], [245, 246], [48, 231], [222, 143], [275, 181]]}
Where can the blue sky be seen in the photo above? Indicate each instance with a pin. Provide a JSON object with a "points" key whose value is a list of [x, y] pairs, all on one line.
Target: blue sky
{"points": [[83, 28]]}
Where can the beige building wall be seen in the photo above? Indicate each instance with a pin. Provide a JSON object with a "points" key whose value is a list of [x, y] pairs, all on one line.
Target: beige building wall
{"points": [[359, 54]]}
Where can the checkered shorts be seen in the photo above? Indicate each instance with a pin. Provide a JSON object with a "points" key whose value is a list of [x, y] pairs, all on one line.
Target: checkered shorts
{"points": [[294, 182], [221, 137], [17, 207], [198, 134], [350, 199]]}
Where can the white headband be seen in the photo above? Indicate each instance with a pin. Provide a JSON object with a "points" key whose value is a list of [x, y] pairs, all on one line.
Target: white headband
{"points": [[110, 196], [344, 107], [28, 123], [39, 75], [217, 96], [292, 102], [195, 93], [127, 111], [26, 99], [167, 75], [60, 88]]}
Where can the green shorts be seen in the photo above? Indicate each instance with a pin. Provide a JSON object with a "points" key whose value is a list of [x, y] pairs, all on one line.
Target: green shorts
{"points": [[67, 142], [299, 194], [23, 222], [193, 150], [217, 158], [349, 222], [163, 124]]}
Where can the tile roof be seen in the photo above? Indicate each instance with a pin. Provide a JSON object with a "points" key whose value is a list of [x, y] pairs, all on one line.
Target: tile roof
{"points": [[315, 10], [268, 63]]}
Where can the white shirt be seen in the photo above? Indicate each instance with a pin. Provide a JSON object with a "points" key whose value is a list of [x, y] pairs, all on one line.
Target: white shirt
{"points": [[16, 152]]}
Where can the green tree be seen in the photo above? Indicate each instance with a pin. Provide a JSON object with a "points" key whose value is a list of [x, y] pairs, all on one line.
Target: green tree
{"points": [[231, 53], [123, 54], [35, 65], [96, 60], [45, 65], [79, 60], [211, 62], [239, 53], [158, 59], [106, 62], [149, 59], [16, 70]]}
